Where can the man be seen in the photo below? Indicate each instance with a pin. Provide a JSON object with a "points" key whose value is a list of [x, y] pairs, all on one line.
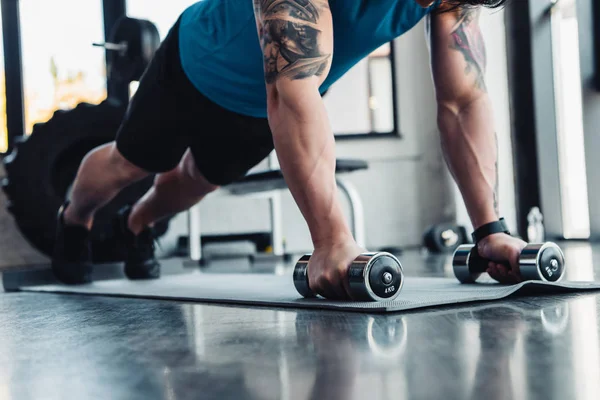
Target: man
{"points": [[235, 79]]}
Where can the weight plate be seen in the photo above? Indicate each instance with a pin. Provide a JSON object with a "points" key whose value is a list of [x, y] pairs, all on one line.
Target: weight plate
{"points": [[551, 264], [542, 261], [300, 277], [141, 40], [444, 238], [462, 265], [385, 277], [42, 168]]}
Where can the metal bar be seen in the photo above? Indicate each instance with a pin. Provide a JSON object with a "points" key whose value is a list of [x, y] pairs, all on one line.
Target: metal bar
{"points": [[113, 11], [275, 213], [589, 45], [596, 19], [520, 69], [540, 20], [194, 245], [395, 102], [370, 95], [276, 224], [356, 210], [120, 47], [13, 69]]}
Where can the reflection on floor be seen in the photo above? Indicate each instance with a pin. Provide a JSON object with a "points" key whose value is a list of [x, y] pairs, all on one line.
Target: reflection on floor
{"points": [[79, 347]]}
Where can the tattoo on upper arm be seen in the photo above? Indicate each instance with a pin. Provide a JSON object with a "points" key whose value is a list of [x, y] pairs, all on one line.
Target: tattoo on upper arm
{"points": [[289, 34], [467, 38]]}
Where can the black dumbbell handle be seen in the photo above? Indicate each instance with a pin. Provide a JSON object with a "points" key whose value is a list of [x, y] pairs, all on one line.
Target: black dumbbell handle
{"points": [[537, 261], [360, 277], [479, 264]]}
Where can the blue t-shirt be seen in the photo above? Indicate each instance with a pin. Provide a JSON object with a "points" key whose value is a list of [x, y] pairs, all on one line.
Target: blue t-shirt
{"points": [[221, 54]]}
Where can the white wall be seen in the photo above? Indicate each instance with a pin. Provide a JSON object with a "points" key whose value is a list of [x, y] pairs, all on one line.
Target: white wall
{"points": [[407, 186]]}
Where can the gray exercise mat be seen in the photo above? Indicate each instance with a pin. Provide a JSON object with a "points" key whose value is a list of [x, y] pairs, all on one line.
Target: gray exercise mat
{"points": [[279, 291]]}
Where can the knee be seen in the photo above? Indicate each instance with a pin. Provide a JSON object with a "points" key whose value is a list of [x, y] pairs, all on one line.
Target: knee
{"points": [[115, 165], [195, 180]]}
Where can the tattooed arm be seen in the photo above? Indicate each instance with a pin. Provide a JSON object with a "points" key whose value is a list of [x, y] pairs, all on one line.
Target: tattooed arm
{"points": [[296, 37], [465, 116]]}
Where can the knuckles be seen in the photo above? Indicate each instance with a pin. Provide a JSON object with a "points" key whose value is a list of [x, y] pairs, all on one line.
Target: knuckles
{"points": [[324, 280]]}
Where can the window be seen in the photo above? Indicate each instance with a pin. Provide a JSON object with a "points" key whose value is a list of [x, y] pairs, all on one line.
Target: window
{"points": [[362, 101], [161, 14], [569, 111], [61, 68]]}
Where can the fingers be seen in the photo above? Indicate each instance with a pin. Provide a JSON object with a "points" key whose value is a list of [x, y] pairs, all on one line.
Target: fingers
{"points": [[502, 274], [497, 272], [346, 284], [513, 254], [325, 289], [332, 285], [514, 261], [506, 250]]}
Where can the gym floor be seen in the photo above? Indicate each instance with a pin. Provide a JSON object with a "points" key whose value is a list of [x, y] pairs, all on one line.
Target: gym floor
{"points": [[70, 346]]}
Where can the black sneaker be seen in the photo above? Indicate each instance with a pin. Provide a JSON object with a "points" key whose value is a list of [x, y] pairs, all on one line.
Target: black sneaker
{"points": [[72, 255], [140, 262]]}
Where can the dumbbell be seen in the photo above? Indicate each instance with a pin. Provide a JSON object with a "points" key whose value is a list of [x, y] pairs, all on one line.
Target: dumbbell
{"points": [[376, 276], [385, 336], [537, 262], [444, 238], [554, 318]]}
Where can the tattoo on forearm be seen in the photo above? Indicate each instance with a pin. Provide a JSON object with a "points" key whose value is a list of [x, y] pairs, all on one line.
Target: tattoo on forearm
{"points": [[467, 38], [289, 36]]}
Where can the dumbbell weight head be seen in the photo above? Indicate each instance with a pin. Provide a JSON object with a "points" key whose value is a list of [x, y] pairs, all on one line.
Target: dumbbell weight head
{"points": [[301, 277], [537, 262], [444, 238], [460, 264], [131, 47], [545, 262], [371, 277]]}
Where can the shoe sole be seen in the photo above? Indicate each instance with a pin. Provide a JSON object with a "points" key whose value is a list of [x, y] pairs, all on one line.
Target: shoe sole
{"points": [[142, 272], [73, 274]]}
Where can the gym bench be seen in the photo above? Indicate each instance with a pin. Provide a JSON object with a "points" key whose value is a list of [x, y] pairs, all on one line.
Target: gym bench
{"points": [[267, 184]]}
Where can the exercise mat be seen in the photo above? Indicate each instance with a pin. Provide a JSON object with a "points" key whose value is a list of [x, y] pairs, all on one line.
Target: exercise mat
{"points": [[279, 291]]}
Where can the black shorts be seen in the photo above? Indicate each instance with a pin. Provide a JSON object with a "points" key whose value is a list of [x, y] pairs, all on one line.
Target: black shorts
{"points": [[168, 115]]}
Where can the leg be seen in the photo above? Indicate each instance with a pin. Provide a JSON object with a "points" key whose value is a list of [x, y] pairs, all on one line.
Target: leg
{"points": [[103, 173], [150, 140], [173, 192]]}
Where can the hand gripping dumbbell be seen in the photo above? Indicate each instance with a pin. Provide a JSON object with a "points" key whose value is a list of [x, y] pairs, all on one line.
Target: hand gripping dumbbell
{"points": [[537, 262], [371, 276]]}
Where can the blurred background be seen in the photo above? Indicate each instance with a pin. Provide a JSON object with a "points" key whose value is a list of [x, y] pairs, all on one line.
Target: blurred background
{"points": [[542, 78]]}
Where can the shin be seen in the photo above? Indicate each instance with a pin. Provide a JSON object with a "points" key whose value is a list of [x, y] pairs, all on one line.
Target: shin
{"points": [[103, 173]]}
